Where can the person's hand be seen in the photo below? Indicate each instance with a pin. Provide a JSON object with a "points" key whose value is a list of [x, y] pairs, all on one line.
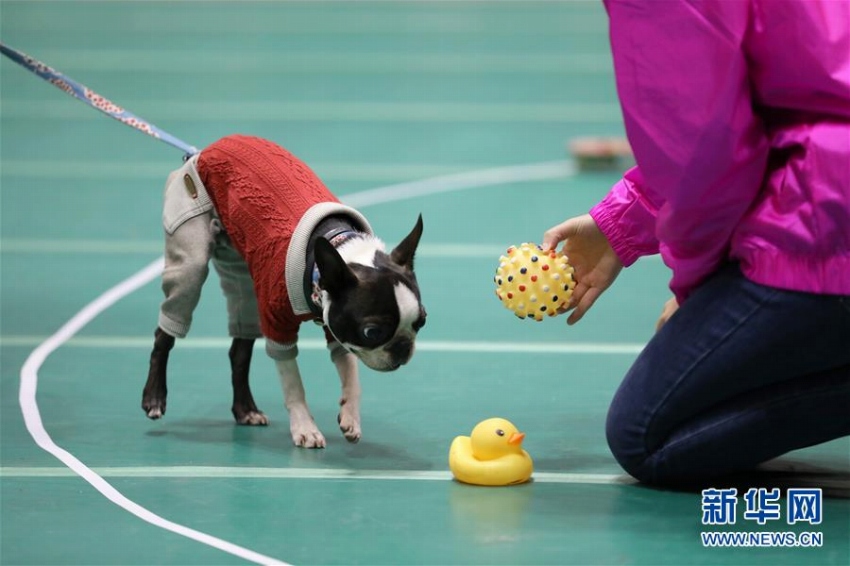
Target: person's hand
{"points": [[595, 262], [671, 306]]}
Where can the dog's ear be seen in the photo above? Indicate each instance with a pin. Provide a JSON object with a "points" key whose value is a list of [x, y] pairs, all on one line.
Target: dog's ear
{"points": [[404, 252], [334, 274]]}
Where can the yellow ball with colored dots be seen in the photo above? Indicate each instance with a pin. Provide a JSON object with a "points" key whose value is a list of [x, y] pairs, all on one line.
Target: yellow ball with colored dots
{"points": [[533, 283]]}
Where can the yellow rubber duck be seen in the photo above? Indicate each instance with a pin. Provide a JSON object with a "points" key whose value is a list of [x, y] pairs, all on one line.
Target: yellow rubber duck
{"points": [[491, 455]]}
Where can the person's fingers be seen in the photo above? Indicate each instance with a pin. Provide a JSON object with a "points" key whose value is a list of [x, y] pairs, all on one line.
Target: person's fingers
{"points": [[575, 316], [669, 309], [584, 305], [578, 292], [557, 234]]}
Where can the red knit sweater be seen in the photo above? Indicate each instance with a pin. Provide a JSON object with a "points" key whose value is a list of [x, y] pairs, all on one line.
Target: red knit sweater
{"points": [[260, 192]]}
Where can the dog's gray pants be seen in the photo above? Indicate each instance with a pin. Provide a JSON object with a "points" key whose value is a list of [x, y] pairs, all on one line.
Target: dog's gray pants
{"points": [[194, 238]]}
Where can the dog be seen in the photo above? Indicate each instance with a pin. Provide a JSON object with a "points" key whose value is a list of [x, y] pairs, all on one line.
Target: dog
{"points": [[286, 251]]}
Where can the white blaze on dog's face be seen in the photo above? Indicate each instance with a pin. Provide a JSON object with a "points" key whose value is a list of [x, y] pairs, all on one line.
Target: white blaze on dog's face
{"points": [[370, 299]]}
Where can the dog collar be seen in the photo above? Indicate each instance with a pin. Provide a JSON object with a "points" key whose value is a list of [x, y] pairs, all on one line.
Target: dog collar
{"points": [[336, 239]]}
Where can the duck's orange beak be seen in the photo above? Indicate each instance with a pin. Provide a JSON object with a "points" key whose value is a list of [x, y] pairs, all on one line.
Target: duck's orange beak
{"points": [[516, 438]]}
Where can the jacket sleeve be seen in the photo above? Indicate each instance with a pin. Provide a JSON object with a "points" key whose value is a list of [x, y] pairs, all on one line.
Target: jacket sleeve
{"points": [[683, 83], [627, 217]]}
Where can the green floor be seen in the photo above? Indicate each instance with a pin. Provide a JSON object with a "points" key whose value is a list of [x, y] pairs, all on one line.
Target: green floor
{"points": [[371, 95]]}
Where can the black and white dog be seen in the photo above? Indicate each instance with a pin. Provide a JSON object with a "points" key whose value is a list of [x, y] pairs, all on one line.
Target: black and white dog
{"points": [[286, 252]]}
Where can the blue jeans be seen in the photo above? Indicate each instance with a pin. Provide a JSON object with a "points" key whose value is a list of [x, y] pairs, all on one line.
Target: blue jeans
{"points": [[740, 374]]}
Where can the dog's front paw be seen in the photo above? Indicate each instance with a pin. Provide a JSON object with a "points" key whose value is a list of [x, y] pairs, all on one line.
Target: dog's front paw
{"points": [[349, 421], [308, 438], [305, 433]]}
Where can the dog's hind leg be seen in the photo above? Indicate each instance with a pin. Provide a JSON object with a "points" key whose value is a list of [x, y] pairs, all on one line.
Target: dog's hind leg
{"points": [[244, 409], [243, 325], [155, 392], [188, 245]]}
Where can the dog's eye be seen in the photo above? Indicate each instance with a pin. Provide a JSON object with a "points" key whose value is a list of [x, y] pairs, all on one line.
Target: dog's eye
{"points": [[374, 333]]}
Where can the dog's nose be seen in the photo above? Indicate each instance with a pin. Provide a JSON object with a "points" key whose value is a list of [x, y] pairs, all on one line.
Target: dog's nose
{"points": [[400, 349]]}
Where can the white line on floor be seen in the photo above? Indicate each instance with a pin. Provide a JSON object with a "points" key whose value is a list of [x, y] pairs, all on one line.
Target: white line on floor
{"points": [[456, 346], [208, 472], [269, 111], [337, 62], [68, 246], [462, 181], [158, 170], [369, 22]]}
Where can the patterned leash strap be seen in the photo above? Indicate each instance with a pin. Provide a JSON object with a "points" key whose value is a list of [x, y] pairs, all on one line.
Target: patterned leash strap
{"points": [[96, 101]]}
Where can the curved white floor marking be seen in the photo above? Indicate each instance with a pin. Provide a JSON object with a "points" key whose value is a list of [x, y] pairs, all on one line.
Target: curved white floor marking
{"points": [[32, 416], [460, 181], [29, 371]]}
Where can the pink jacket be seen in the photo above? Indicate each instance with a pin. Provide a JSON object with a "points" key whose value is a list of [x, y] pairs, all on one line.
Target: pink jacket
{"points": [[738, 112]]}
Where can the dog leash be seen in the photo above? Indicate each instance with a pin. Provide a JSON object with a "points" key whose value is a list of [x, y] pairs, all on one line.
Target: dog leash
{"points": [[96, 101]]}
